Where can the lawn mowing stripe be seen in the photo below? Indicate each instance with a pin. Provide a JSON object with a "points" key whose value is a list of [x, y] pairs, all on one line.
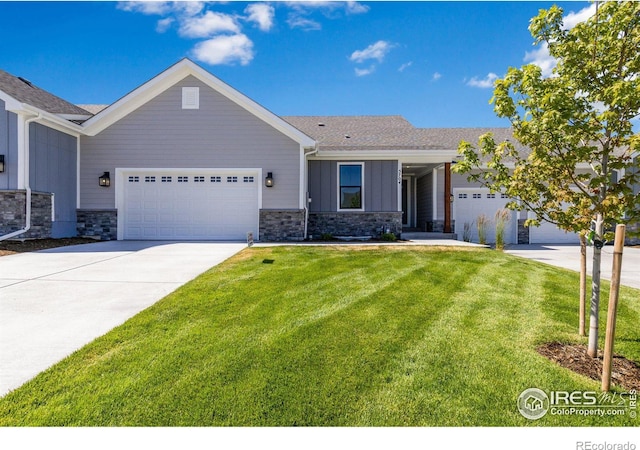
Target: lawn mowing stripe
{"points": [[389, 337]]}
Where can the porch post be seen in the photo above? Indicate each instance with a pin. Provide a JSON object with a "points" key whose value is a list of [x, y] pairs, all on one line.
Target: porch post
{"points": [[447, 197]]}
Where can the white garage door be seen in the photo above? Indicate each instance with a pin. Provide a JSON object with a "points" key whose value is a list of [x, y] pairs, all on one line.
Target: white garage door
{"points": [[469, 204], [190, 204], [547, 233]]}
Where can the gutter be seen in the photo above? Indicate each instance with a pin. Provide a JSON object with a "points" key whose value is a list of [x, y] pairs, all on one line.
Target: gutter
{"points": [[27, 225], [306, 189]]}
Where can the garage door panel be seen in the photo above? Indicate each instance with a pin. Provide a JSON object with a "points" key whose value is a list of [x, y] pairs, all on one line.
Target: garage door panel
{"points": [[548, 233], [180, 206], [470, 204]]}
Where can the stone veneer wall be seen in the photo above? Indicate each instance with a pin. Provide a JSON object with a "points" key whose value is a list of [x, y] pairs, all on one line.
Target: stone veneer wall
{"points": [[632, 228], [102, 223], [277, 225], [437, 226], [523, 232], [13, 214], [354, 223]]}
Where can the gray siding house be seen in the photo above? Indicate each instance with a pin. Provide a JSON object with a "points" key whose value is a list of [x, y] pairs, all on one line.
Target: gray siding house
{"points": [[39, 151], [187, 157]]}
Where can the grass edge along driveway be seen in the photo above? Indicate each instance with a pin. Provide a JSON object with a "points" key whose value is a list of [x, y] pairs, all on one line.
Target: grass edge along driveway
{"points": [[332, 336]]}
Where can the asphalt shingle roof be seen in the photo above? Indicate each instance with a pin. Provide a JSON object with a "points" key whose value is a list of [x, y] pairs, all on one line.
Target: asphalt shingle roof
{"points": [[26, 92], [386, 133]]}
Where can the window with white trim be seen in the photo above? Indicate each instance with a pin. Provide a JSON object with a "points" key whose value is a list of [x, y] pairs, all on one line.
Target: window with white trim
{"points": [[350, 186]]}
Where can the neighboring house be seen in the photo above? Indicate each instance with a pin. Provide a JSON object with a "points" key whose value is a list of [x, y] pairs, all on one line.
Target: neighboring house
{"points": [[39, 140], [187, 157]]}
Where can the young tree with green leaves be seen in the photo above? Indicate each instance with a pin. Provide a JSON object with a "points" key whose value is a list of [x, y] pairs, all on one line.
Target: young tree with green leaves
{"points": [[577, 125]]}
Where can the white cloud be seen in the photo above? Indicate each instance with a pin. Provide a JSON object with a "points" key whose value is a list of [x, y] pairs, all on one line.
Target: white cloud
{"points": [[375, 51], [405, 66], [356, 8], [436, 76], [189, 8], [301, 10], [574, 18], [541, 57], [207, 25], [164, 24], [262, 14], [146, 7], [364, 72], [486, 82], [223, 39], [296, 21], [225, 49]]}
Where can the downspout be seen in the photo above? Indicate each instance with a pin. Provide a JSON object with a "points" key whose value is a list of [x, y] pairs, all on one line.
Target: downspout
{"points": [[27, 225], [306, 195]]}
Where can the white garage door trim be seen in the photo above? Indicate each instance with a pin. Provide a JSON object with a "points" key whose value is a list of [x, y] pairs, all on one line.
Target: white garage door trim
{"points": [[122, 175], [511, 231]]}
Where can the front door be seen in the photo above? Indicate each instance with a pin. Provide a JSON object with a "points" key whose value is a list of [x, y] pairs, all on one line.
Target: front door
{"points": [[405, 202]]}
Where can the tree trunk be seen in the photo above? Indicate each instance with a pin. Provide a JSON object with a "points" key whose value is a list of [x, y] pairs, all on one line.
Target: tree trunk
{"points": [[583, 285], [598, 241]]}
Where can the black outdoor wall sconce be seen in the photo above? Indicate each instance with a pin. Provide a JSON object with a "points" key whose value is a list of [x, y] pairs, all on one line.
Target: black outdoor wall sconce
{"points": [[268, 181], [104, 180]]}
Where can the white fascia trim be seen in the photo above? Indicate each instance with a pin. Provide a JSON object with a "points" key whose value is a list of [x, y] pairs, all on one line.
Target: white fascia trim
{"points": [[10, 103], [407, 156], [175, 74], [510, 165], [48, 119]]}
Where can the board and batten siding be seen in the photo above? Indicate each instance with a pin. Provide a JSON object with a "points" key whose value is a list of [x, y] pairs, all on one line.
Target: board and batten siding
{"points": [[380, 186], [52, 168], [9, 148], [220, 134]]}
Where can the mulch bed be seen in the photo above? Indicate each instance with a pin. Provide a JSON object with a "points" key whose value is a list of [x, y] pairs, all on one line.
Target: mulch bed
{"points": [[625, 373], [31, 245]]}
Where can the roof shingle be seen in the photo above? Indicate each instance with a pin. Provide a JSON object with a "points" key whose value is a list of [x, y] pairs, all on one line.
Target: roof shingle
{"points": [[386, 133], [26, 92]]}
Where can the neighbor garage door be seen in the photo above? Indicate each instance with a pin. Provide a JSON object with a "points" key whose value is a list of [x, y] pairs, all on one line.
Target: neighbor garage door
{"points": [[190, 204], [469, 204], [548, 233]]}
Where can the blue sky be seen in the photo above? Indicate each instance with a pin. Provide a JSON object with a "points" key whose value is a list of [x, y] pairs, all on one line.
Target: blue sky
{"points": [[432, 62]]}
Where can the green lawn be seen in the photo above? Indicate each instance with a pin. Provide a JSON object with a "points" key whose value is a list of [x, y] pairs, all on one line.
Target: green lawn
{"points": [[332, 336]]}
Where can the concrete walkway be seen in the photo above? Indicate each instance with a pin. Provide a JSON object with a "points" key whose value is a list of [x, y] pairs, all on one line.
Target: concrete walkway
{"points": [[55, 301], [568, 257]]}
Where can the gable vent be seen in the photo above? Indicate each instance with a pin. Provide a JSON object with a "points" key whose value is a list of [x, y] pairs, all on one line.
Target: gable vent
{"points": [[190, 98]]}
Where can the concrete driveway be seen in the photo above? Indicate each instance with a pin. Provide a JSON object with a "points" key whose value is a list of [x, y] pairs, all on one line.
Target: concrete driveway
{"points": [[568, 257], [55, 301]]}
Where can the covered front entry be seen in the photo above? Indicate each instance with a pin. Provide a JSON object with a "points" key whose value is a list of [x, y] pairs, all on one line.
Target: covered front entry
{"points": [[188, 204]]}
